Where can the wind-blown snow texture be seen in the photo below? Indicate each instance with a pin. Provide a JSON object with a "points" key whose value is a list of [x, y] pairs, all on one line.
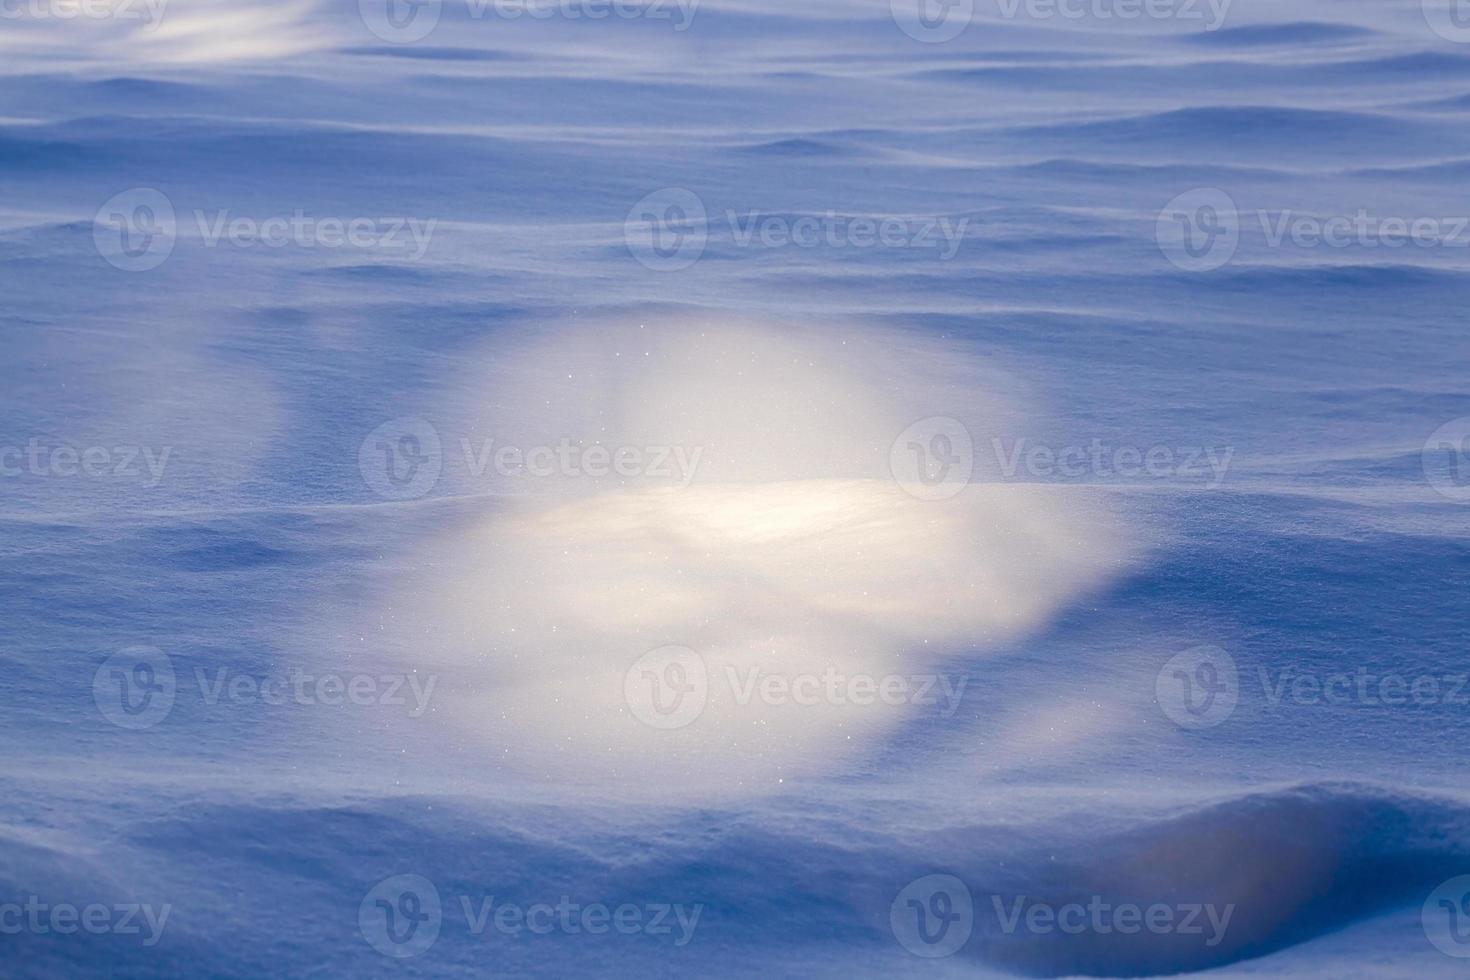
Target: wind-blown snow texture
{"points": [[1336, 541]]}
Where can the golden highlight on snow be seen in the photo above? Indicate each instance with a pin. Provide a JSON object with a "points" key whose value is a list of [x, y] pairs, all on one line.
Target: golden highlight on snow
{"points": [[768, 618]]}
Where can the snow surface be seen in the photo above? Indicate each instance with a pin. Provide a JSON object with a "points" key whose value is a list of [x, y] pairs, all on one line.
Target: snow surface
{"points": [[1336, 539]]}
